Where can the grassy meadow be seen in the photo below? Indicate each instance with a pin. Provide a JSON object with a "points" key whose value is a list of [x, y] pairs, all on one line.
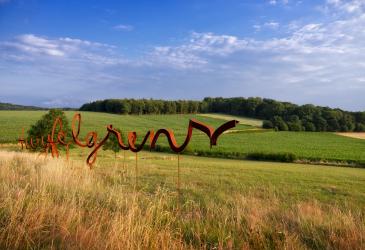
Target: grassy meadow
{"points": [[224, 204], [12, 122], [245, 139]]}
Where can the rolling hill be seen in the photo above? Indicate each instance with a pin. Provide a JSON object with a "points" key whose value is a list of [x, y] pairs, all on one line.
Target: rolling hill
{"points": [[246, 142]]}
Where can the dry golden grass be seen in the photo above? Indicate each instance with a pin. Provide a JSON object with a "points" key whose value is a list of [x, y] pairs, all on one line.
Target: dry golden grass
{"points": [[357, 135], [52, 204]]}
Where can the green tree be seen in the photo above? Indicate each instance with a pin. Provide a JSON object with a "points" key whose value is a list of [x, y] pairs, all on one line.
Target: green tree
{"points": [[294, 123], [125, 107], [43, 127], [279, 124], [320, 123], [113, 106], [309, 126], [307, 117], [269, 108], [360, 127], [169, 107], [250, 106], [347, 123], [137, 107], [267, 124]]}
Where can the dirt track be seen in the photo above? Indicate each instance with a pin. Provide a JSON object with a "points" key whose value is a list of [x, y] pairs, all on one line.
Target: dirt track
{"points": [[358, 135]]}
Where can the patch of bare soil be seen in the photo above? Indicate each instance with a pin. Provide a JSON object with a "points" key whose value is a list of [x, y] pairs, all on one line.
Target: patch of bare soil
{"points": [[358, 135]]}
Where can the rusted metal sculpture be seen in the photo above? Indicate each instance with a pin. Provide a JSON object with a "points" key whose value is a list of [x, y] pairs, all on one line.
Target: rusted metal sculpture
{"points": [[91, 138], [91, 141], [21, 140]]}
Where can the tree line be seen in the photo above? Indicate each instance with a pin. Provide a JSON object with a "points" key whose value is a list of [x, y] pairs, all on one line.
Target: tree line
{"points": [[143, 106], [283, 116], [10, 106]]}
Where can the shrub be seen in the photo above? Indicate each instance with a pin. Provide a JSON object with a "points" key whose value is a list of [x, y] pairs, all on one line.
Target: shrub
{"points": [[43, 127], [280, 157], [279, 124], [267, 124]]}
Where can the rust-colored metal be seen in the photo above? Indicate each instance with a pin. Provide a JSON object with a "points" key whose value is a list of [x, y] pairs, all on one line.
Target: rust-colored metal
{"points": [[21, 139], [178, 177], [208, 130], [91, 138]]}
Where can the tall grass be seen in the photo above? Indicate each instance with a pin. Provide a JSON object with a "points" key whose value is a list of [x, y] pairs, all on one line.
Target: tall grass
{"points": [[52, 204]]}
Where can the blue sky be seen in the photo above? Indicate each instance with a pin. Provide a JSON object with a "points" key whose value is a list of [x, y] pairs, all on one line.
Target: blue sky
{"points": [[66, 53]]}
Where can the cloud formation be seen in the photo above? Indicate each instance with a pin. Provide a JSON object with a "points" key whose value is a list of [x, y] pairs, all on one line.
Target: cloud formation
{"points": [[123, 27], [275, 2], [319, 62], [41, 70]]}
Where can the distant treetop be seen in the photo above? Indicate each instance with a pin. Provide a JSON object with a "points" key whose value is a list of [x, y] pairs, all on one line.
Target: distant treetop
{"points": [[277, 115], [9, 106]]}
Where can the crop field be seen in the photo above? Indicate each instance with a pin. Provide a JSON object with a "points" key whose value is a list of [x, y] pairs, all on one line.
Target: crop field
{"points": [[223, 204], [12, 122], [306, 146]]}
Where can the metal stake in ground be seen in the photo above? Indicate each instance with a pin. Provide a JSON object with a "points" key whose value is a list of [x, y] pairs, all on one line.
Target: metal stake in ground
{"points": [[123, 160], [136, 171], [178, 178]]}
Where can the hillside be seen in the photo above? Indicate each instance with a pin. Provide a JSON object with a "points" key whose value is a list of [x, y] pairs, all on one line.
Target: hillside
{"points": [[319, 147], [9, 106]]}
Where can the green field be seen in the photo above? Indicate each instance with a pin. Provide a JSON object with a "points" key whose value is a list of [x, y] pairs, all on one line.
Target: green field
{"points": [[318, 147], [208, 179], [223, 203], [12, 122]]}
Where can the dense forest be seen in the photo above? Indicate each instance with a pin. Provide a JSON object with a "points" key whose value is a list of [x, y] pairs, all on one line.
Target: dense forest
{"points": [[144, 106], [276, 115]]}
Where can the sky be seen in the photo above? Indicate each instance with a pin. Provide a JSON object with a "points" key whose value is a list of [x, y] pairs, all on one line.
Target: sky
{"points": [[66, 53]]}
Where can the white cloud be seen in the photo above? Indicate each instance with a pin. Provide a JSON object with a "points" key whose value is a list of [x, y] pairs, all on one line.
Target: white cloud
{"points": [[123, 27], [275, 2], [320, 62], [179, 58], [29, 47], [36, 45], [266, 26], [43, 69], [257, 27], [354, 6], [272, 25], [190, 55], [338, 38]]}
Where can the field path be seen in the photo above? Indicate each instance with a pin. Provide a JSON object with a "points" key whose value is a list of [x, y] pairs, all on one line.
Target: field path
{"points": [[357, 135], [242, 120]]}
